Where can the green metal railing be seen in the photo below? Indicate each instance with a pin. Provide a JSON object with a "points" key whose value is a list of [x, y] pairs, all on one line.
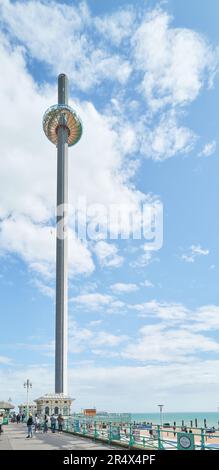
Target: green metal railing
{"points": [[133, 436], [141, 436]]}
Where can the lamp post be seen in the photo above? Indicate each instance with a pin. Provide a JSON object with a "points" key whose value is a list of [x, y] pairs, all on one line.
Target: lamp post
{"points": [[63, 128], [27, 385], [161, 414]]}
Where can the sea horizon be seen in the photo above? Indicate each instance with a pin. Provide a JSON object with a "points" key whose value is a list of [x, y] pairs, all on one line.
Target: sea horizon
{"points": [[212, 417]]}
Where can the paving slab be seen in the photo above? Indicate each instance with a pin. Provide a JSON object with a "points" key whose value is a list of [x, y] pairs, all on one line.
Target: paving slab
{"points": [[14, 438]]}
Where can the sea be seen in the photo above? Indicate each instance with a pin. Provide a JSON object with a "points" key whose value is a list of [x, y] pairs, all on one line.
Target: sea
{"points": [[212, 418]]}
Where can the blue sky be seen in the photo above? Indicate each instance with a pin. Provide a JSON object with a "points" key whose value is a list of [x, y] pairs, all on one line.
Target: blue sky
{"points": [[144, 79]]}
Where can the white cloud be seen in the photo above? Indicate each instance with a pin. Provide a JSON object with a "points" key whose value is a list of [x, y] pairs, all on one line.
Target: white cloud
{"points": [[87, 63], [107, 254], [208, 149], [35, 243], [143, 259], [188, 258], [103, 338], [183, 387], [110, 388], [121, 287], [5, 360], [95, 322], [45, 289], [202, 318], [46, 349], [147, 283], [205, 318], [84, 339], [166, 311], [93, 301], [78, 337], [167, 139], [117, 26], [30, 160], [99, 302], [194, 252], [175, 62], [165, 345], [197, 250]]}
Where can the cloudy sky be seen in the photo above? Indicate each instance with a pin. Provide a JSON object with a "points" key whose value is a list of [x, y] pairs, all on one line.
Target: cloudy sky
{"points": [[143, 325]]}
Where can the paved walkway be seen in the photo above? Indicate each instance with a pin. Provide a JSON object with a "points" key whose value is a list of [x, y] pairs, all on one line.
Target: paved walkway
{"points": [[14, 438]]}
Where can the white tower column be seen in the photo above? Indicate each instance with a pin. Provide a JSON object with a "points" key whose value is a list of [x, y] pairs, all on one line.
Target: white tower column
{"points": [[63, 128], [62, 245]]}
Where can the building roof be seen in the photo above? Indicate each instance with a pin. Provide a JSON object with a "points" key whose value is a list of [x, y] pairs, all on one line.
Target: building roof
{"points": [[6, 405], [54, 396], [25, 404]]}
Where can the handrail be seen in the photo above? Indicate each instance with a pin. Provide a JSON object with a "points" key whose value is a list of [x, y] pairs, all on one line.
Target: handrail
{"points": [[133, 436]]}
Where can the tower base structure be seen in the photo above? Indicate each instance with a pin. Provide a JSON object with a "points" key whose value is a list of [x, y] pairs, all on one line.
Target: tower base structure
{"points": [[54, 403]]}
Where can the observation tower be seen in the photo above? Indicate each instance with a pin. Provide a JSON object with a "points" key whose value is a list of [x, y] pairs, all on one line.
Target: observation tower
{"points": [[63, 128]]}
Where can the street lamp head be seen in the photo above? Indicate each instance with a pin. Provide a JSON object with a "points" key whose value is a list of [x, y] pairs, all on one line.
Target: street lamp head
{"points": [[27, 384], [62, 115]]}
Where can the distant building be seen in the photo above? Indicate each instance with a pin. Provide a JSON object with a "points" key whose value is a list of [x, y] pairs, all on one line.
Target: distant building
{"points": [[90, 412], [56, 403], [6, 407], [32, 408]]}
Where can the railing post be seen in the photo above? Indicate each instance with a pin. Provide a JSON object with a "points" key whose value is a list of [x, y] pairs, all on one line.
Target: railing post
{"points": [[110, 433], [84, 428], [131, 437], [160, 445], [202, 439], [95, 430]]}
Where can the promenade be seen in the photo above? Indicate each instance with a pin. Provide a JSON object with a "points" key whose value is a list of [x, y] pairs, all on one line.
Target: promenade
{"points": [[14, 438]]}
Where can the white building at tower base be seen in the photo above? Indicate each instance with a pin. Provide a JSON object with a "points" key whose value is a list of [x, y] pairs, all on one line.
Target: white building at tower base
{"points": [[56, 403]]}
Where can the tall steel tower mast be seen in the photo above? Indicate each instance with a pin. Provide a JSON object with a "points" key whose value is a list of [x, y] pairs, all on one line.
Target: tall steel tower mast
{"points": [[63, 128]]}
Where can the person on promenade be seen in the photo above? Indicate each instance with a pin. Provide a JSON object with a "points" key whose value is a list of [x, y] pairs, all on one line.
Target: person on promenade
{"points": [[22, 417], [60, 422], [1, 423], [45, 424], [30, 426], [53, 423], [18, 418], [36, 423]]}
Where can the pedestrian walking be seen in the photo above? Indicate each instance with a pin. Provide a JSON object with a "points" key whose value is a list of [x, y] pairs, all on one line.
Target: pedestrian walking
{"points": [[36, 423], [53, 423], [45, 424], [60, 422], [30, 426]]}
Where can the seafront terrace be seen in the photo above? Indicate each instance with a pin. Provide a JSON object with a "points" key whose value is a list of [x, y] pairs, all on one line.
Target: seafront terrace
{"points": [[14, 438], [99, 435]]}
